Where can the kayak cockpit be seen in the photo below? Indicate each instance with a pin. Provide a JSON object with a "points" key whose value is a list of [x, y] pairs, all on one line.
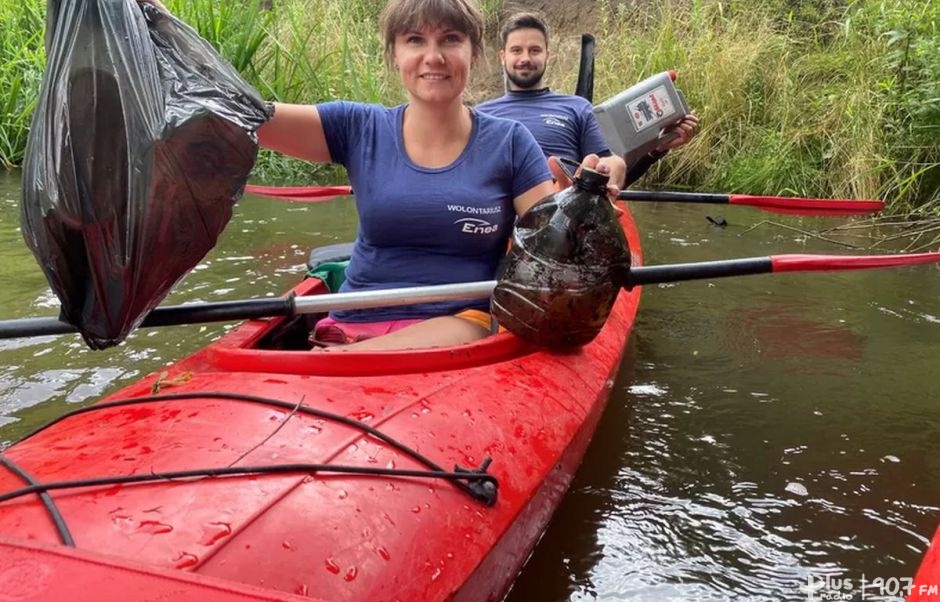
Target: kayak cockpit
{"points": [[281, 346]]}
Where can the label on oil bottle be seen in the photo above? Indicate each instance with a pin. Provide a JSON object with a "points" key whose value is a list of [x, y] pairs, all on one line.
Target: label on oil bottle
{"points": [[650, 109]]}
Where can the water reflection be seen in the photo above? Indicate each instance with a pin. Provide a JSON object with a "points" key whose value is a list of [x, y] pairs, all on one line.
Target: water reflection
{"points": [[262, 252], [773, 429]]}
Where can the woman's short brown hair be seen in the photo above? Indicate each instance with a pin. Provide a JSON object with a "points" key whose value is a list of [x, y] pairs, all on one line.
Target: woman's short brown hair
{"points": [[401, 16]]}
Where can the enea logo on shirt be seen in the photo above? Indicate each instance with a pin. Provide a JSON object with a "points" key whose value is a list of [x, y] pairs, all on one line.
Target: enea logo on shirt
{"points": [[476, 225], [555, 120]]}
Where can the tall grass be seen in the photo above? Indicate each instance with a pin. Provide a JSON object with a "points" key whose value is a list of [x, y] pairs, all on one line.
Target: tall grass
{"points": [[22, 58], [297, 51], [802, 98], [834, 98]]}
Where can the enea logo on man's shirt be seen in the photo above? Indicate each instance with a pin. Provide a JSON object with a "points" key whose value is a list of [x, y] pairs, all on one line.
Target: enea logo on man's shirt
{"points": [[555, 120]]}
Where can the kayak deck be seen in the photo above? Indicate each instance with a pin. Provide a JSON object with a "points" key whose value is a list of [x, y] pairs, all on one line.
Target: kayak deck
{"points": [[237, 448]]}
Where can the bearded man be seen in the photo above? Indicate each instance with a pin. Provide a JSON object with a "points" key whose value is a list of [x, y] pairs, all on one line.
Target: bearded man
{"points": [[563, 125]]}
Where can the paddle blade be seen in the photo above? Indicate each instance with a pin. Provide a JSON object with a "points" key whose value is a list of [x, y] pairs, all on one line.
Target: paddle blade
{"points": [[800, 206], [299, 193], [815, 263], [585, 85]]}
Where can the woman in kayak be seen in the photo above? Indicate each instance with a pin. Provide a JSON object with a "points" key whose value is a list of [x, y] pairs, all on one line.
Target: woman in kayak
{"points": [[438, 185]]}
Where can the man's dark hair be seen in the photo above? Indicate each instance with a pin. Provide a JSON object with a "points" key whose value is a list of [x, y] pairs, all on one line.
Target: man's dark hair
{"points": [[522, 21]]}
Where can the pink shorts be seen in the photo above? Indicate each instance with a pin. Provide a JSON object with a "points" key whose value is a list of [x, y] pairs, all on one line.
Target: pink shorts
{"points": [[329, 332]]}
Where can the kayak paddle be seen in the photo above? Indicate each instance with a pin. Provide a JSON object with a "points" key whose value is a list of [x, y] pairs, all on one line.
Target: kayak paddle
{"points": [[777, 204], [637, 276]]}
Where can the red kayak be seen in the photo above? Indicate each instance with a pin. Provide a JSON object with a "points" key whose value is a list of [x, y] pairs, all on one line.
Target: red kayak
{"points": [[257, 470], [926, 585]]}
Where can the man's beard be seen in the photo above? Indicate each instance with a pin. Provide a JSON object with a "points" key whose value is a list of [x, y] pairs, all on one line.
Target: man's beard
{"points": [[525, 81]]}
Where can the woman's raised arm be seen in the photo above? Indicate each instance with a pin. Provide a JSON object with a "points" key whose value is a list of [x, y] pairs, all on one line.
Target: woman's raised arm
{"points": [[296, 130]]}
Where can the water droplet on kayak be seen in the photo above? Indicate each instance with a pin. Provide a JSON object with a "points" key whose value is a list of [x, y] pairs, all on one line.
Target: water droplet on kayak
{"points": [[341, 494], [390, 465], [301, 590], [893, 459], [332, 566], [362, 416], [213, 532], [450, 555], [416, 509], [286, 545], [351, 574], [153, 527], [121, 520], [185, 560], [383, 553], [415, 415], [437, 573]]}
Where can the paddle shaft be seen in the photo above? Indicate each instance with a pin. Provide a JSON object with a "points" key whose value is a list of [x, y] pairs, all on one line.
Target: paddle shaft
{"points": [[780, 204], [637, 276], [674, 197], [228, 311]]}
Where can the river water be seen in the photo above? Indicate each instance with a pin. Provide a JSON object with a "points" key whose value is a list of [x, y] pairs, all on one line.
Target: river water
{"points": [[765, 432]]}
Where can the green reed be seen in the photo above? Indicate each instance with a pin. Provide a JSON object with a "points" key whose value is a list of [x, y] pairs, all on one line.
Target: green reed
{"points": [[804, 98], [22, 59]]}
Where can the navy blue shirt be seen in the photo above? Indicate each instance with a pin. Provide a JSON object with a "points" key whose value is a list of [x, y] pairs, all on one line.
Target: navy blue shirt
{"points": [[562, 124], [419, 225]]}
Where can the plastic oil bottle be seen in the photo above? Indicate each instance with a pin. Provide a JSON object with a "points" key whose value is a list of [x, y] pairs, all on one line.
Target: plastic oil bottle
{"points": [[633, 120], [559, 281]]}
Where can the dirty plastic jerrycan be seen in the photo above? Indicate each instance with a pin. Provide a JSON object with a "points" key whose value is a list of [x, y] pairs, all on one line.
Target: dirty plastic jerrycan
{"points": [[568, 257]]}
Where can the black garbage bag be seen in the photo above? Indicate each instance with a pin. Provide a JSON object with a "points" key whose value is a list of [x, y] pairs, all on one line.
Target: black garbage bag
{"points": [[568, 260], [141, 143]]}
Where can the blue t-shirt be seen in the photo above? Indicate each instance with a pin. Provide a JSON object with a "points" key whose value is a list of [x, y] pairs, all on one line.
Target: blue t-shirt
{"points": [[420, 226], [562, 124]]}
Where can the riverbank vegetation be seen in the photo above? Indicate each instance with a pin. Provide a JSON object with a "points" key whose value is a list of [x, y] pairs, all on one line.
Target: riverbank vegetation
{"points": [[831, 98]]}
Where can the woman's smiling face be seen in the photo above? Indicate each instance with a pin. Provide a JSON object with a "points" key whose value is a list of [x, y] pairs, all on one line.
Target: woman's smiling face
{"points": [[434, 63]]}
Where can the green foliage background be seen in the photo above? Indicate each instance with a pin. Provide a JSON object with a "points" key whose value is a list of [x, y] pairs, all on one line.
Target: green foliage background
{"points": [[826, 98]]}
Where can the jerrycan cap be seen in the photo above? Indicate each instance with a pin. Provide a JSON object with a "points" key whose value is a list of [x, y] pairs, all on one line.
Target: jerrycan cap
{"points": [[592, 181]]}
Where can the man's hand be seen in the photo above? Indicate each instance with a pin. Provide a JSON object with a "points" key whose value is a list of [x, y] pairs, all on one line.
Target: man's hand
{"points": [[684, 131], [616, 168]]}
